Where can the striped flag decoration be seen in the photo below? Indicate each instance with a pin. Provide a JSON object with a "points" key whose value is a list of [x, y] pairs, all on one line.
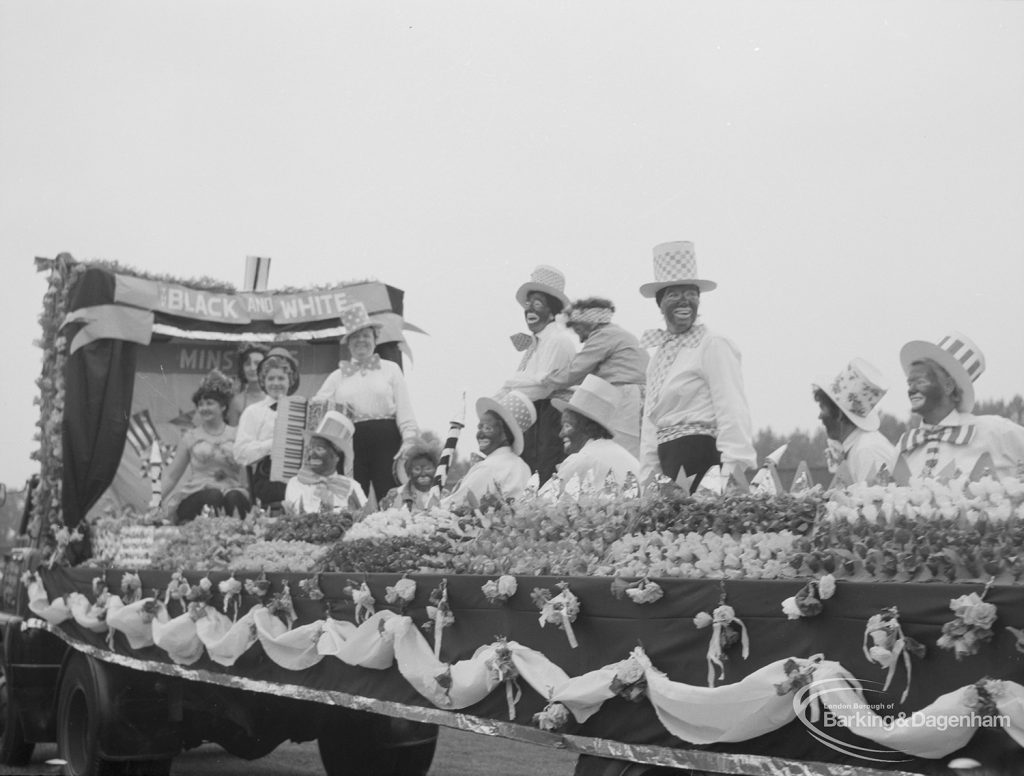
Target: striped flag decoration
{"points": [[257, 273], [457, 423], [142, 433]]}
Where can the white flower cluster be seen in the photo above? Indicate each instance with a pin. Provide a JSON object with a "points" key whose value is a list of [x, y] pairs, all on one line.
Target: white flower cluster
{"points": [[279, 556], [927, 499], [761, 555], [398, 523]]}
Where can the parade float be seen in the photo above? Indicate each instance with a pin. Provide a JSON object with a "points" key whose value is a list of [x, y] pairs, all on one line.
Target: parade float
{"points": [[872, 628]]}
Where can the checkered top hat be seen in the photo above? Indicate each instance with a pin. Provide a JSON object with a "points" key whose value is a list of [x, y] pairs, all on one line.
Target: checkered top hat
{"points": [[856, 391], [355, 318], [675, 264], [595, 398], [515, 409], [957, 354], [336, 429], [547, 279]]}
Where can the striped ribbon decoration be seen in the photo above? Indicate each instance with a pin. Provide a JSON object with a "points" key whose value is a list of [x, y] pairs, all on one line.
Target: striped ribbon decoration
{"points": [[448, 451]]}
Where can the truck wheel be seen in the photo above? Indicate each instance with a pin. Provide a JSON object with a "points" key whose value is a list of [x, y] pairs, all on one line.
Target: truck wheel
{"points": [[355, 744], [78, 722], [14, 749]]}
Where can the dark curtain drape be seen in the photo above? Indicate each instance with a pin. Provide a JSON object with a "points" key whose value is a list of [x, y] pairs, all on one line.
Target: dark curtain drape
{"points": [[98, 380]]}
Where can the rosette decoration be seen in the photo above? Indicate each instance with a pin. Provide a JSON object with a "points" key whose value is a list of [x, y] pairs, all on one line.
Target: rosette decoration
{"points": [[808, 600], [439, 614], [560, 610], [972, 625], [501, 589], [726, 629], [885, 643]]}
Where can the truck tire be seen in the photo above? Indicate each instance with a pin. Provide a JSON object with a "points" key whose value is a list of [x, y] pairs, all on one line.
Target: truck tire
{"points": [[359, 743], [78, 721], [14, 749]]}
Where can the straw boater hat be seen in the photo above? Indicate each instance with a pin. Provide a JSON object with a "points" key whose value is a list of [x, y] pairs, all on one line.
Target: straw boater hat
{"points": [[595, 398], [355, 318], [856, 391], [515, 409], [287, 356], [675, 264], [547, 279], [337, 430], [955, 353]]}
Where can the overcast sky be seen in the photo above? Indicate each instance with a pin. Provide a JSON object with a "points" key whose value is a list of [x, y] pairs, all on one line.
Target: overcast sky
{"points": [[852, 174]]}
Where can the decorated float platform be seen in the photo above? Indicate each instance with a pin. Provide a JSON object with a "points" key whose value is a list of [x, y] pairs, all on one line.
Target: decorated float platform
{"points": [[869, 629]]}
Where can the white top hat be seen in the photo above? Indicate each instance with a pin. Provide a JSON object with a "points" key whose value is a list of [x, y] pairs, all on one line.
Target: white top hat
{"points": [[547, 279], [675, 264], [595, 398], [355, 318], [337, 430], [957, 354], [515, 409], [856, 391]]}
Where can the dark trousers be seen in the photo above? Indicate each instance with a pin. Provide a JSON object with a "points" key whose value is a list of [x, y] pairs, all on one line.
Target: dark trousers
{"points": [[229, 503], [542, 447], [265, 490], [694, 454], [374, 446]]}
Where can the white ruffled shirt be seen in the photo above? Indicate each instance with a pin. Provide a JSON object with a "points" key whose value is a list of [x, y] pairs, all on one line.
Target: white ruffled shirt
{"points": [[502, 470], [993, 434], [597, 458], [548, 364], [373, 394], [255, 434], [703, 385]]}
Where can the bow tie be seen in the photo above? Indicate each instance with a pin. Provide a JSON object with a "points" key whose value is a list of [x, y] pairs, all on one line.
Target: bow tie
{"points": [[521, 341], [337, 485], [349, 368], [954, 435]]}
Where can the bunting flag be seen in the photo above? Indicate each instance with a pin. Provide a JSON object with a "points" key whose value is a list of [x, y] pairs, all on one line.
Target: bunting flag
{"points": [[984, 466], [142, 433], [445, 461], [802, 480]]}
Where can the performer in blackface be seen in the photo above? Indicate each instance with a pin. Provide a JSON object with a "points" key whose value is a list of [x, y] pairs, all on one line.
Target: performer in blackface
{"points": [[548, 351], [696, 414], [499, 434], [847, 410], [940, 384], [591, 453], [613, 354]]}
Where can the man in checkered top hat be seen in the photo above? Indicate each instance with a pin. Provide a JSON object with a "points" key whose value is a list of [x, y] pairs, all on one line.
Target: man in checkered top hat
{"points": [[940, 384], [695, 412], [547, 352]]}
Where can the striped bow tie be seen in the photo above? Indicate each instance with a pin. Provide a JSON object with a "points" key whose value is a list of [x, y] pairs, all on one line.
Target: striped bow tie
{"points": [[954, 435]]}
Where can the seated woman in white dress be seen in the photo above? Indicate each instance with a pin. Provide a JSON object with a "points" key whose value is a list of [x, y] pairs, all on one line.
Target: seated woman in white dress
{"points": [[215, 479], [592, 454], [319, 487]]}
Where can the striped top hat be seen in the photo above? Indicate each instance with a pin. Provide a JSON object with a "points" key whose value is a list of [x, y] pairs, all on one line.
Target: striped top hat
{"points": [[515, 409], [675, 264], [856, 391], [957, 354], [355, 318], [547, 279], [595, 398]]}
